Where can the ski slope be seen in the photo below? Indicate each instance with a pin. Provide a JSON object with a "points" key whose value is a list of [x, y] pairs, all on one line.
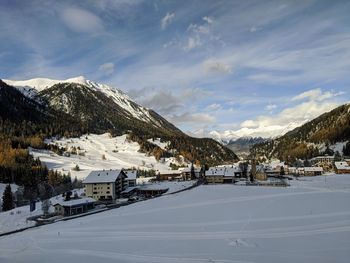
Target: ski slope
{"points": [[307, 222], [100, 152]]}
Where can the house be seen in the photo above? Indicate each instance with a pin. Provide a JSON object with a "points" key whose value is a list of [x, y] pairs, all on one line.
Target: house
{"points": [[186, 172], [73, 206], [342, 167], [326, 159], [105, 185], [131, 177], [151, 190], [221, 175], [311, 171], [169, 175], [260, 173]]}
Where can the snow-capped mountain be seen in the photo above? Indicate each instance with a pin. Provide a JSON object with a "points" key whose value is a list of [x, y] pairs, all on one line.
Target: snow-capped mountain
{"points": [[33, 87], [73, 107]]}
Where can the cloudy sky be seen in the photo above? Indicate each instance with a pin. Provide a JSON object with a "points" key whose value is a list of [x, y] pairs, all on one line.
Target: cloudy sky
{"points": [[219, 68]]}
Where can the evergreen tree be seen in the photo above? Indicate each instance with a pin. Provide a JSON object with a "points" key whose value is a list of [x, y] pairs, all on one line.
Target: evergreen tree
{"points": [[7, 200], [193, 175], [337, 156], [282, 171]]}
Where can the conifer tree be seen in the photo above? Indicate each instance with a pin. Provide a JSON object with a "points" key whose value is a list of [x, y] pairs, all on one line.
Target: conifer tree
{"points": [[7, 200]]}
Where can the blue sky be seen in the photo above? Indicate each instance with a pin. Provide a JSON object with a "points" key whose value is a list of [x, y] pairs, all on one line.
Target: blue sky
{"points": [[214, 68]]}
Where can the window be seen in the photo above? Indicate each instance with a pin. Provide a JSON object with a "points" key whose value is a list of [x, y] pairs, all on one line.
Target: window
{"points": [[108, 192], [108, 187], [95, 193]]}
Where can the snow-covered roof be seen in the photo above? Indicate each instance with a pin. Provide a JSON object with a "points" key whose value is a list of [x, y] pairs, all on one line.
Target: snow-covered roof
{"points": [[313, 169], [104, 176], [223, 171], [188, 170], [170, 172], [131, 174], [73, 202], [342, 165]]}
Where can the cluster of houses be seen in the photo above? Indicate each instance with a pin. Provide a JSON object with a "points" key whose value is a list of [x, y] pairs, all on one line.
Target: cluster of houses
{"points": [[106, 186], [232, 173]]}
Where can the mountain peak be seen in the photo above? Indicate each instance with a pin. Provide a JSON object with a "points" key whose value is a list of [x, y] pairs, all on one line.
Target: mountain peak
{"points": [[40, 84]]}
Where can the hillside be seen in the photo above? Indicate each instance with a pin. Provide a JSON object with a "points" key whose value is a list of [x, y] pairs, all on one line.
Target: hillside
{"points": [[78, 106], [310, 139]]}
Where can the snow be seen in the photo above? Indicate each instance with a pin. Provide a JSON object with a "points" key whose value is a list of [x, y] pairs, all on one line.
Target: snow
{"points": [[162, 145], [17, 218], [31, 87], [104, 176], [40, 84], [172, 186], [307, 222], [118, 151], [73, 202], [342, 166]]}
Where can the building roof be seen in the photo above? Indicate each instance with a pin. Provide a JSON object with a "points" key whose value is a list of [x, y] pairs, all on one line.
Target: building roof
{"points": [[342, 165], [170, 172], [313, 169], [104, 176], [73, 202], [222, 171], [131, 174]]}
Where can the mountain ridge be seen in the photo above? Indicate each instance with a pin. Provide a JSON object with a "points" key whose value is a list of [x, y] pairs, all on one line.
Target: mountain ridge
{"points": [[97, 108], [305, 142]]}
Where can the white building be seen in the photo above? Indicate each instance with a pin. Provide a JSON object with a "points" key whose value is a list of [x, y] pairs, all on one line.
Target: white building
{"points": [[131, 177], [105, 185]]}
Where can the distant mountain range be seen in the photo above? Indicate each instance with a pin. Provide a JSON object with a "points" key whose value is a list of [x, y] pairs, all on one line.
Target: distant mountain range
{"points": [[315, 137], [72, 107], [242, 145]]}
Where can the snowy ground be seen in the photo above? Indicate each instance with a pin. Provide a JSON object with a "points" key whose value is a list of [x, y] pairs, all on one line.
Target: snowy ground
{"points": [[173, 186], [118, 153], [307, 222], [17, 218]]}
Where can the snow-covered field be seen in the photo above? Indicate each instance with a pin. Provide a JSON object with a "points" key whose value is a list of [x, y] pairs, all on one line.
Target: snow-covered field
{"points": [[101, 152], [307, 222], [17, 218]]}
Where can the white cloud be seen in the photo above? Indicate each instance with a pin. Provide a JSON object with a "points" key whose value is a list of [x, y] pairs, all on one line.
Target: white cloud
{"points": [[316, 94], [270, 107], [80, 20], [192, 43], [214, 107], [107, 68], [201, 29], [166, 20], [212, 65], [284, 121], [192, 118], [253, 29], [208, 19]]}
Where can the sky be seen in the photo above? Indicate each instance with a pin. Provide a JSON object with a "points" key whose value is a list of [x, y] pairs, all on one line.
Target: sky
{"points": [[223, 69]]}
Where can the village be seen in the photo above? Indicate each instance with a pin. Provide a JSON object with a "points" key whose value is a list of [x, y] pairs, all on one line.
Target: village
{"points": [[114, 188]]}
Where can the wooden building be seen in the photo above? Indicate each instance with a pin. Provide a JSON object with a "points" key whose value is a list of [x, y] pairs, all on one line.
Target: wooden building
{"points": [[169, 175], [74, 206], [342, 167]]}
